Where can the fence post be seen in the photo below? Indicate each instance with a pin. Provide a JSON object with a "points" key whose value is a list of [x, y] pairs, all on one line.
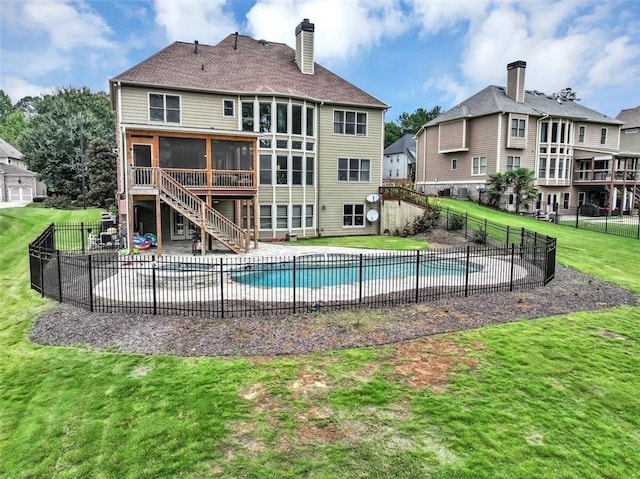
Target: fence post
{"points": [[417, 273], [89, 263], [507, 234], [153, 280], [59, 277], [447, 225], [466, 224], [294, 285], [360, 282], [606, 223], [578, 217], [513, 260], [466, 276], [638, 233], [82, 235], [41, 272], [221, 288]]}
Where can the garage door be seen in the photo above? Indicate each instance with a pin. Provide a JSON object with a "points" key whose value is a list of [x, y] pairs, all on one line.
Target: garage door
{"points": [[20, 193]]}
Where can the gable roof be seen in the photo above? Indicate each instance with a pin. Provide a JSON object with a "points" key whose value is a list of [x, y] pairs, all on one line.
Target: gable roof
{"points": [[493, 99], [241, 65], [12, 170], [404, 145], [8, 151], [630, 117]]}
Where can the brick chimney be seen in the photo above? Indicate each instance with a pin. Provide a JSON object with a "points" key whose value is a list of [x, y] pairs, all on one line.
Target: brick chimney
{"points": [[515, 80], [304, 46]]}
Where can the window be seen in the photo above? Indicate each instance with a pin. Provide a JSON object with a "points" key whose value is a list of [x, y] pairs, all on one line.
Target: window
{"points": [[353, 215], [283, 173], [542, 167], [349, 123], [309, 173], [603, 136], [283, 117], [397, 173], [511, 199], [308, 222], [247, 217], [296, 145], [539, 201], [581, 131], [454, 164], [517, 127], [229, 108], [164, 108], [296, 216], [479, 166], [353, 169], [265, 117], [309, 146], [544, 132], [265, 143], [265, 170], [296, 170], [182, 152], [247, 116], [296, 119], [565, 201], [266, 221], [552, 167], [282, 144], [561, 172], [281, 217], [513, 162], [562, 130], [309, 121], [554, 132]]}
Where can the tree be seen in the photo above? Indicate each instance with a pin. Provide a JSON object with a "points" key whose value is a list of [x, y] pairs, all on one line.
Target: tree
{"points": [[497, 184], [408, 123], [521, 180], [12, 127], [6, 105], [101, 172], [52, 143]]}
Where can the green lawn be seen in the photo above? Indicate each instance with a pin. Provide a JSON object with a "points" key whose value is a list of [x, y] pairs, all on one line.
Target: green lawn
{"points": [[555, 397], [368, 242]]}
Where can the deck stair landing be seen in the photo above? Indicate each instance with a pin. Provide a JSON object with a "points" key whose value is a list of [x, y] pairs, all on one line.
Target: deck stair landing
{"points": [[198, 212]]}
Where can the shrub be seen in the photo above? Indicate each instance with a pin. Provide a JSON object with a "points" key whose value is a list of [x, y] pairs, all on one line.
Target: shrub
{"points": [[480, 235], [59, 202], [456, 222]]}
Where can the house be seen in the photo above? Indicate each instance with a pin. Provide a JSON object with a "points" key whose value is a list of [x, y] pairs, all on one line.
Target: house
{"points": [[17, 182], [245, 140], [625, 170], [569, 147], [398, 157]]}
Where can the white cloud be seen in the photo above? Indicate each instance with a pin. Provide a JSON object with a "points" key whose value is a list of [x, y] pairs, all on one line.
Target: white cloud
{"points": [[453, 92], [618, 64], [343, 29], [186, 20], [67, 25], [18, 88], [435, 16]]}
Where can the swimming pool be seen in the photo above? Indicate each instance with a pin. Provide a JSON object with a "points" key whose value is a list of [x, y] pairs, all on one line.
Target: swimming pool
{"points": [[336, 270]]}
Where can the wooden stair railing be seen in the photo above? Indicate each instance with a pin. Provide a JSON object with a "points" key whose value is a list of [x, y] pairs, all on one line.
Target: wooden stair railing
{"points": [[404, 194], [197, 211]]}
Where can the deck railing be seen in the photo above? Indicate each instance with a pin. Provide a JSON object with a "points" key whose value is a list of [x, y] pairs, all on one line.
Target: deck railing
{"points": [[197, 179]]}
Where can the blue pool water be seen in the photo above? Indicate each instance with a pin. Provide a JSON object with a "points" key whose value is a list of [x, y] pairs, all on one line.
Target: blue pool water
{"points": [[342, 271]]}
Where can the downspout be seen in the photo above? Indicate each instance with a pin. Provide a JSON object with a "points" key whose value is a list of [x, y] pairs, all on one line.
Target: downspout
{"points": [[317, 175], [125, 171]]}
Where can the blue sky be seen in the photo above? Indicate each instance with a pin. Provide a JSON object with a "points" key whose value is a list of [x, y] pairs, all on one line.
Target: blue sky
{"points": [[408, 53]]}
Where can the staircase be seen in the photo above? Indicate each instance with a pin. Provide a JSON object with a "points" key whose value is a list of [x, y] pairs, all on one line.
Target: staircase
{"points": [[196, 210]]}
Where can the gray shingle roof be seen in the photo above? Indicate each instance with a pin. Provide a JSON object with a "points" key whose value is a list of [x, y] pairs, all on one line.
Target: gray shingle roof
{"points": [[8, 151], [630, 117], [13, 170], [493, 99], [407, 142], [253, 67]]}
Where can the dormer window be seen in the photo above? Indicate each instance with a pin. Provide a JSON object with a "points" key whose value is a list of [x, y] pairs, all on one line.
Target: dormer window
{"points": [[164, 108]]}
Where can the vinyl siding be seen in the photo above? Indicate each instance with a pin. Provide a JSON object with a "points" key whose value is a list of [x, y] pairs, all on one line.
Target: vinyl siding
{"points": [[592, 135], [334, 194], [452, 135], [630, 141]]}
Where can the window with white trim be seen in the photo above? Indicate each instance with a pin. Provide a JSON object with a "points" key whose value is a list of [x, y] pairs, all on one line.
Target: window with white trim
{"points": [[581, 131], [266, 220], [353, 216], [518, 127], [247, 116], [296, 216], [353, 169], [308, 222], [164, 108], [479, 165], [296, 170], [282, 170], [565, 200], [513, 162], [349, 123], [229, 108], [603, 136], [281, 216], [454, 163], [265, 170], [309, 171]]}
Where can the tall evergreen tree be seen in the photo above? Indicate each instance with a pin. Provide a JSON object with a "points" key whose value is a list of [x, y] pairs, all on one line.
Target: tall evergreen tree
{"points": [[101, 173]]}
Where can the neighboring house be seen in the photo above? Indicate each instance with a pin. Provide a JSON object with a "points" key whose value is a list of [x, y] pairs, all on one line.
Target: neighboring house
{"points": [[17, 182], [245, 139], [626, 170], [397, 158], [570, 148]]}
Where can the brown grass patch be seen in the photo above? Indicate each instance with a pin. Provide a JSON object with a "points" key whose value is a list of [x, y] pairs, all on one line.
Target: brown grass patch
{"points": [[429, 362]]}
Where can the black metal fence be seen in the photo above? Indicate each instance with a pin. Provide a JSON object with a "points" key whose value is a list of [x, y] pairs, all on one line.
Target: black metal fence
{"points": [[105, 281], [600, 220]]}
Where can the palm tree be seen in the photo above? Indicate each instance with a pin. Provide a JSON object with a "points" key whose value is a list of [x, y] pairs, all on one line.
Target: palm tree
{"points": [[521, 180], [497, 184]]}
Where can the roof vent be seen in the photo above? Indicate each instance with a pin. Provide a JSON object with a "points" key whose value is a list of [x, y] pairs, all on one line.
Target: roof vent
{"points": [[264, 43], [195, 47]]}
